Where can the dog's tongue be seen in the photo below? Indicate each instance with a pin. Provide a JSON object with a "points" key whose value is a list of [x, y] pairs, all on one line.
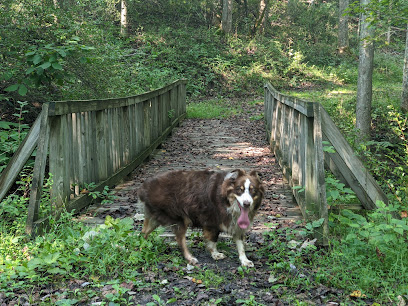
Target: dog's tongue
{"points": [[243, 220]]}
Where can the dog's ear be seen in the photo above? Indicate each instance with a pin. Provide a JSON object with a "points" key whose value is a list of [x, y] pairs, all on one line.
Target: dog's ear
{"points": [[233, 174], [254, 173]]}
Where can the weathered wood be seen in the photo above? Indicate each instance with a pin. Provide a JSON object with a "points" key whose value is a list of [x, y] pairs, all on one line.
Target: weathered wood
{"points": [[91, 144], [20, 157], [306, 108], [39, 170], [296, 130], [351, 168], [321, 201], [67, 107], [83, 200]]}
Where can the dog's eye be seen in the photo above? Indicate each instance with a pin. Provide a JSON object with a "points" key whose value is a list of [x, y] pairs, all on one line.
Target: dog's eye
{"points": [[239, 189]]}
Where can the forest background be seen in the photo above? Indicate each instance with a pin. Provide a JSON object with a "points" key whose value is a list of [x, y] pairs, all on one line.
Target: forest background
{"points": [[63, 49]]}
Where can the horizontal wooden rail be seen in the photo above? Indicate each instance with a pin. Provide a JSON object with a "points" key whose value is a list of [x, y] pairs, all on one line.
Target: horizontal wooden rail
{"points": [[96, 141], [296, 130]]}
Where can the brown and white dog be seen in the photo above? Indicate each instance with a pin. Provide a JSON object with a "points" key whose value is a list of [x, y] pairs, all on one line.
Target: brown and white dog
{"points": [[216, 201]]}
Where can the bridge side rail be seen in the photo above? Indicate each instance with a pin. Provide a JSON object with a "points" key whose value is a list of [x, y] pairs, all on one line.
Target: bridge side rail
{"points": [[98, 141], [296, 130]]}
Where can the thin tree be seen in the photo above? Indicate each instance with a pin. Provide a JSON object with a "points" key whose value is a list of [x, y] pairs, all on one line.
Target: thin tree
{"points": [[404, 101], [226, 23], [365, 77], [262, 17], [343, 38], [123, 18]]}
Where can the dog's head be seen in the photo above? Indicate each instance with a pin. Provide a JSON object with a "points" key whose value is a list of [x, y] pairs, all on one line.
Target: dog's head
{"points": [[246, 191]]}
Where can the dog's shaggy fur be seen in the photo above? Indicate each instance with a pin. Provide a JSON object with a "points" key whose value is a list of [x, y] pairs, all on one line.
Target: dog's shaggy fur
{"points": [[214, 201]]}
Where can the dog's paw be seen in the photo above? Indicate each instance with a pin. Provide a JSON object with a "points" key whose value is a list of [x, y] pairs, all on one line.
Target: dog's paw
{"points": [[247, 263], [217, 255], [193, 261]]}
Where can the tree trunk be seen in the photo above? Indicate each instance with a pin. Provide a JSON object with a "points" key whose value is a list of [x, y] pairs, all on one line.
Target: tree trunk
{"points": [[226, 22], [123, 18], [404, 102], [365, 78], [260, 22], [343, 39]]}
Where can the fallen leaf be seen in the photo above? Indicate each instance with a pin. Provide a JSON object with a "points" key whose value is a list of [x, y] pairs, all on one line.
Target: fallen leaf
{"points": [[197, 281], [404, 214], [357, 294]]}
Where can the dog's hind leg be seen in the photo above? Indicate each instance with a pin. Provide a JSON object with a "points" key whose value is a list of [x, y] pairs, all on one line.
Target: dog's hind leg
{"points": [[180, 232], [212, 236], [149, 225]]}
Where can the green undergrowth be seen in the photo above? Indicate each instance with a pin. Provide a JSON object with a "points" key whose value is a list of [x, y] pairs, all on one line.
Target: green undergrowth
{"points": [[212, 109], [73, 251], [367, 255]]}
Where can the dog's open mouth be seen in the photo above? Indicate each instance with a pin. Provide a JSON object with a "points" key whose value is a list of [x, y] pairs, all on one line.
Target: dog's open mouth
{"points": [[243, 220]]}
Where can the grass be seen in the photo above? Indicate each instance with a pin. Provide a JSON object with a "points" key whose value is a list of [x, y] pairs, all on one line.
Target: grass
{"points": [[212, 109]]}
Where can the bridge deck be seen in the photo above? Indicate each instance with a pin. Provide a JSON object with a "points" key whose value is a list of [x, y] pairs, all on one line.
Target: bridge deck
{"points": [[215, 145]]}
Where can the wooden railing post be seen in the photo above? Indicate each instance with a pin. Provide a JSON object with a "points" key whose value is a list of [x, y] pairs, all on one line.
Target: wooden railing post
{"points": [[39, 170]]}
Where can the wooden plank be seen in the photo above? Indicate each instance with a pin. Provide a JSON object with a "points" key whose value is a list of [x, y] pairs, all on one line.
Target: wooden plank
{"points": [[20, 157], [166, 104], [56, 167], [75, 148], [82, 154], [147, 123], [39, 170], [139, 117], [294, 147], [93, 147], [66, 107], [127, 134], [101, 143], [322, 233], [109, 141], [67, 155], [351, 167], [275, 123], [311, 188]]}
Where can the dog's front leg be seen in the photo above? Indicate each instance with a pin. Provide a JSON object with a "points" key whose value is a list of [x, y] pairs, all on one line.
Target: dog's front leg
{"points": [[239, 241], [211, 236]]}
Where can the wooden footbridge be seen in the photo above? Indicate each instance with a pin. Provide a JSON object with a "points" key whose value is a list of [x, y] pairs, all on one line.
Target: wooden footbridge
{"points": [[103, 141]]}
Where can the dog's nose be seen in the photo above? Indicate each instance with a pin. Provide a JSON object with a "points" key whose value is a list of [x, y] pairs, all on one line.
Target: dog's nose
{"points": [[246, 204]]}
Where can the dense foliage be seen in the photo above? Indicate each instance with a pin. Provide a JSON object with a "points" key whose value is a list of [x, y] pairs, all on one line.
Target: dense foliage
{"points": [[60, 50]]}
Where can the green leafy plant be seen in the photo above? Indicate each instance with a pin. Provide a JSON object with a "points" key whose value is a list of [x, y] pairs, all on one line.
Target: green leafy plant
{"points": [[118, 297], [249, 302], [210, 278], [106, 196], [12, 134], [46, 64], [338, 193], [160, 302]]}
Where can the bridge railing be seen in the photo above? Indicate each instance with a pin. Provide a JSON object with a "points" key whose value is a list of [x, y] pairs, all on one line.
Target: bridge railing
{"points": [[298, 131], [94, 141]]}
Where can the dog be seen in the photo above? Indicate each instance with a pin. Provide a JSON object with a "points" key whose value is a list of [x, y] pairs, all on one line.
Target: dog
{"points": [[216, 201]]}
